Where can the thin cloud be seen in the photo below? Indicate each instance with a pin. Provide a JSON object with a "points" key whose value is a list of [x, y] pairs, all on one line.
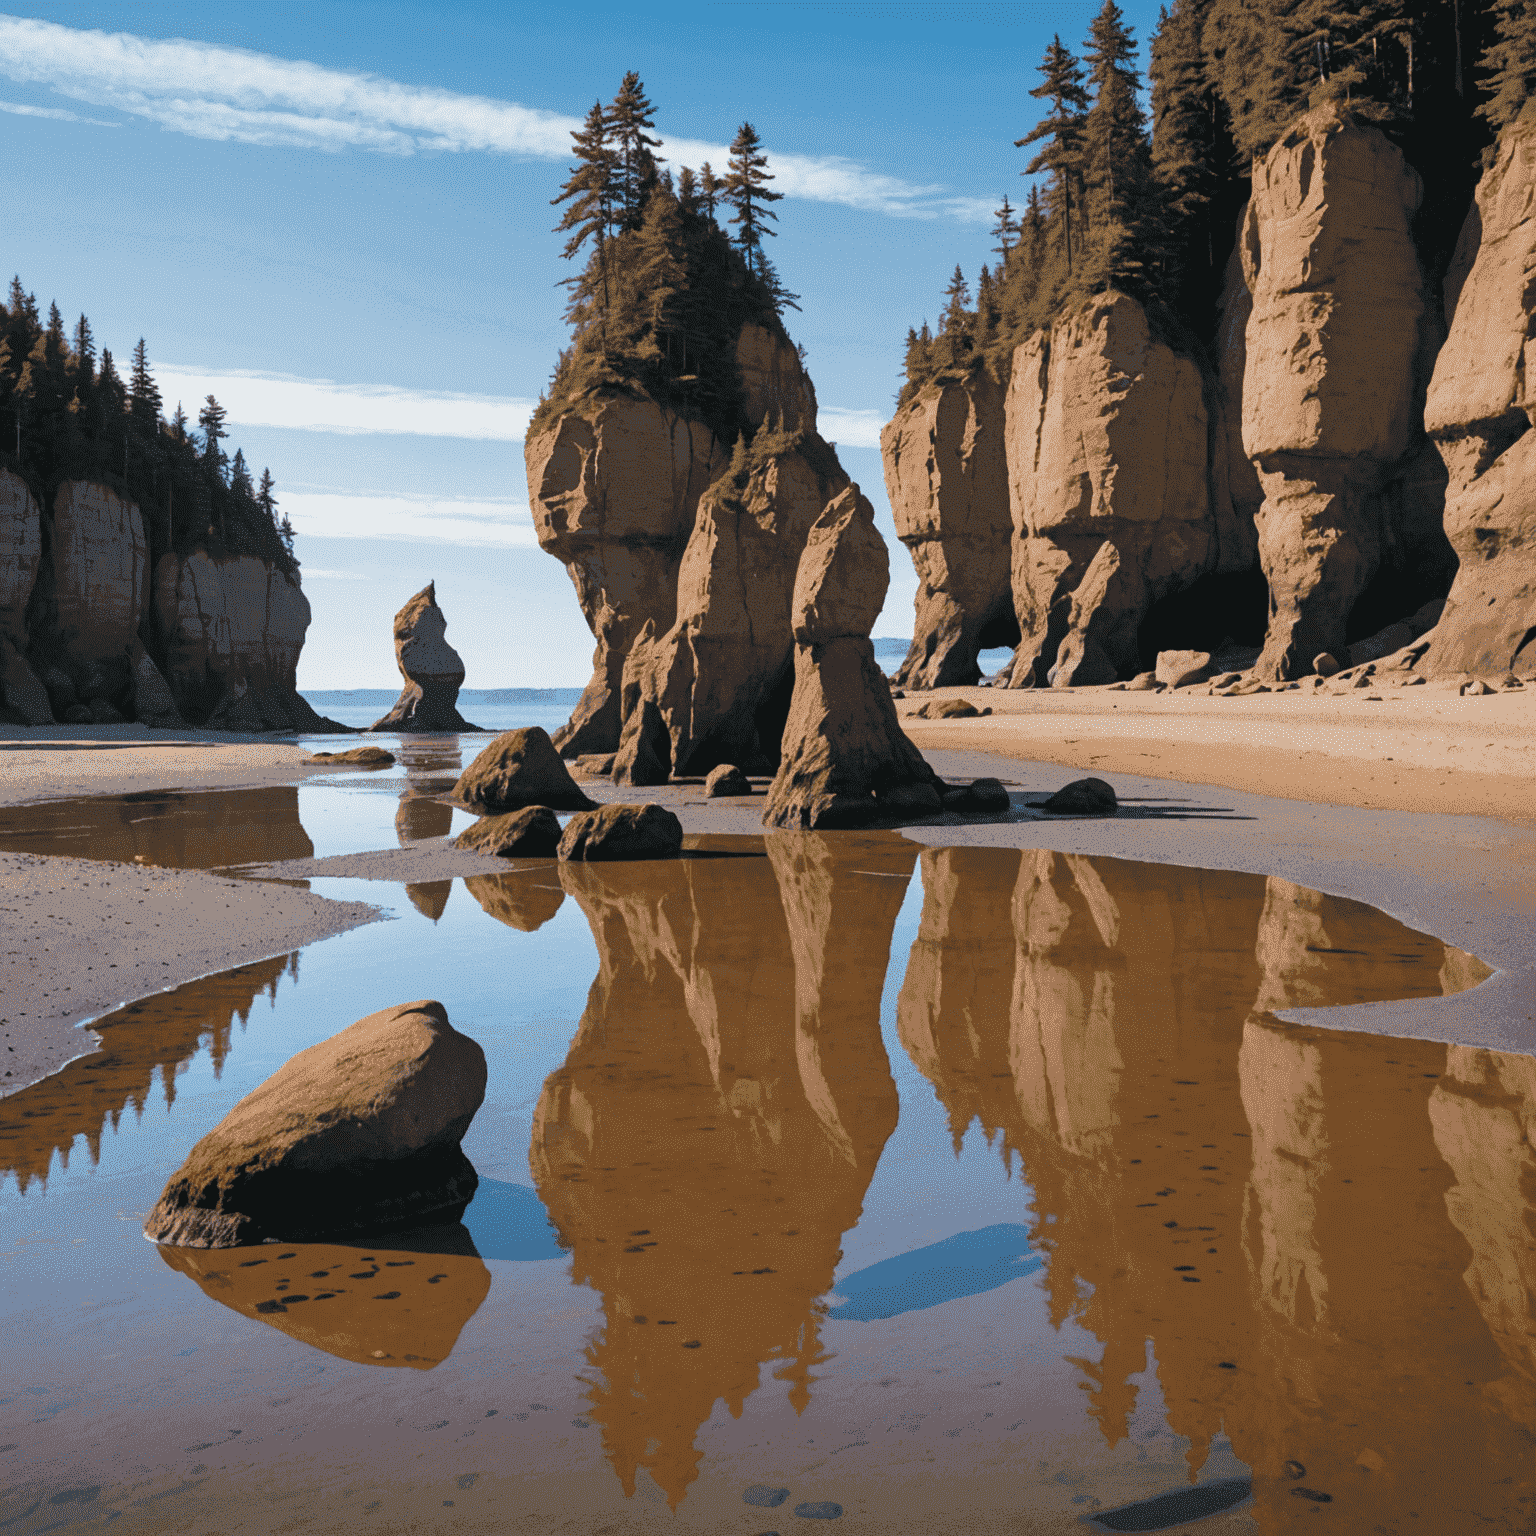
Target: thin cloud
{"points": [[322, 405], [56, 114], [409, 519], [850, 429], [212, 92]]}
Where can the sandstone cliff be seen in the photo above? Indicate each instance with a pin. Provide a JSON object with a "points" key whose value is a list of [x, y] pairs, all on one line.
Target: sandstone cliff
{"points": [[1107, 437], [946, 473], [1479, 412]]}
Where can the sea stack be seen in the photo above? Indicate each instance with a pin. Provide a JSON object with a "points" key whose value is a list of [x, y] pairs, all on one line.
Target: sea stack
{"points": [[431, 668]]}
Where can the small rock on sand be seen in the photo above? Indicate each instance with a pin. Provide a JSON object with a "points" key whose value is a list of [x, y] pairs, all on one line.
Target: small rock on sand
{"points": [[979, 797], [623, 832], [531, 833], [1176, 668], [519, 768], [1325, 664], [356, 757], [1082, 797], [358, 1133], [727, 779], [1143, 682]]}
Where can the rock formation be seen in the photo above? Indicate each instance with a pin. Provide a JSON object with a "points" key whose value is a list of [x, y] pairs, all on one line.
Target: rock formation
{"points": [[614, 833], [614, 483], [846, 760], [1339, 344], [531, 833], [358, 1133], [431, 668], [946, 473], [713, 688], [1479, 411], [519, 768], [1107, 437]]}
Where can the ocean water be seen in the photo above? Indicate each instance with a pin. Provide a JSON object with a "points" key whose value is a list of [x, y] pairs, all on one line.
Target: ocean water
{"points": [[492, 709], [966, 1189]]}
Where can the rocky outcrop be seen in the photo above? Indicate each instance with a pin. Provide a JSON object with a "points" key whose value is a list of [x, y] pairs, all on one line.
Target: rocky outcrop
{"points": [[946, 474], [520, 768], [358, 1133], [1339, 344], [1479, 412], [1107, 433], [231, 630], [431, 668], [21, 555], [618, 833], [846, 760], [713, 688], [775, 387], [531, 833], [100, 569], [614, 483]]}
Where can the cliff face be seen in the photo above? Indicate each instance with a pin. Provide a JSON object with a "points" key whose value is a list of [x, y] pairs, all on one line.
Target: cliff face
{"points": [[946, 473], [1479, 411], [1107, 443]]}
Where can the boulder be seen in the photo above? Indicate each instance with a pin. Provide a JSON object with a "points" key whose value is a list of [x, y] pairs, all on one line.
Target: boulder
{"points": [[355, 757], [981, 797], [713, 687], [946, 473], [1107, 446], [1176, 668], [358, 1133], [531, 833], [726, 779], [845, 759], [1082, 797], [1338, 347], [431, 668], [20, 691], [614, 483], [1143, 682], [21, 555], [948, 709], [519, 768], [614, 832], [1479, 412], [153, 702]]}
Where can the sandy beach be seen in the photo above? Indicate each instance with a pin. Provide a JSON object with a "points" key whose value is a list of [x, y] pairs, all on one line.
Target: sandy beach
{"points": [[1420, 803]]}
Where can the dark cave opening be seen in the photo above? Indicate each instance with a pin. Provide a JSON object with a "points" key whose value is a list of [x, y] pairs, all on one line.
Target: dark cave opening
{"points": [[1200, 616]]}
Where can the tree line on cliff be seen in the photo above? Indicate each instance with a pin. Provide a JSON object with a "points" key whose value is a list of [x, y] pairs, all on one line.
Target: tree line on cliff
{"points": [[1150, 208], [66, 413], [673, 266]]}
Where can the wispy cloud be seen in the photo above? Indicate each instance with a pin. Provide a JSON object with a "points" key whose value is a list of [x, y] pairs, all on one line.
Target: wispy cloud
{"points": [[409, 519], [851, 429], [213, 92], [323, 405], [56, 114]]}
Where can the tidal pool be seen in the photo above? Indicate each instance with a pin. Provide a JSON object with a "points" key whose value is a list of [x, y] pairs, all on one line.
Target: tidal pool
{"points": [[823, 1178]]}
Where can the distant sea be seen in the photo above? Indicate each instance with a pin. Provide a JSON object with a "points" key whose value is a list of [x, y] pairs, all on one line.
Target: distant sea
{"points": [[506, 709]]}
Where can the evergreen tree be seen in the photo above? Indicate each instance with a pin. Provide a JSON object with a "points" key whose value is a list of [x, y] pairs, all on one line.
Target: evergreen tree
{"points": [[711, 189], [630, 118], [143, 393], [240, 476], [1121, 213], [956, 322], [589, 191], [211, 420], [1061, 131], [177, 431], [264, 497], [746, 189], [83, 347], [1005, 231], [1508, 64], [688, 190]]}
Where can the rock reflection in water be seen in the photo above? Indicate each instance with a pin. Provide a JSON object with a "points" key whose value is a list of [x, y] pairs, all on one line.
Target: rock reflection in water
{"points": [[716, 1123], [524, 898], [155, 1035], [1326, 1236], [430, 897], [419, 817], [400, 1302], [174, 829]]}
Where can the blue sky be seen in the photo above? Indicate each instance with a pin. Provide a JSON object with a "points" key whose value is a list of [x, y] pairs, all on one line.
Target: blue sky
{"points": [[336, 217]]}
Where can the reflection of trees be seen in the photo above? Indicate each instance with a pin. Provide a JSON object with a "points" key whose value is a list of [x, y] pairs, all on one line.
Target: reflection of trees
{"points": [[716, 1123], [1268, 1203], [157, 1033], [172, 828], [400, 1302]]}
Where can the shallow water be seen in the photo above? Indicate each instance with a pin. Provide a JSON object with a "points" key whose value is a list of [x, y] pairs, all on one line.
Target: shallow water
{"points": [[969, 1190]]}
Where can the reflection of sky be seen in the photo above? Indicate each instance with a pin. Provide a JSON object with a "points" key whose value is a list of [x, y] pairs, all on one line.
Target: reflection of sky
{"points": [[966, 1264], [507, 1221]]}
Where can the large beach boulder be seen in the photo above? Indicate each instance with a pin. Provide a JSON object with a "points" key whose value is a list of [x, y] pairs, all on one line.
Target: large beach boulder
{"points": [[1479, 412], [946, 473], [358, 1133], [431, 668], [1338, 347], [714, 687], [614, 832], [1107, 442], [614, 482], [846, 760], [519, 768], [531, 833]]}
